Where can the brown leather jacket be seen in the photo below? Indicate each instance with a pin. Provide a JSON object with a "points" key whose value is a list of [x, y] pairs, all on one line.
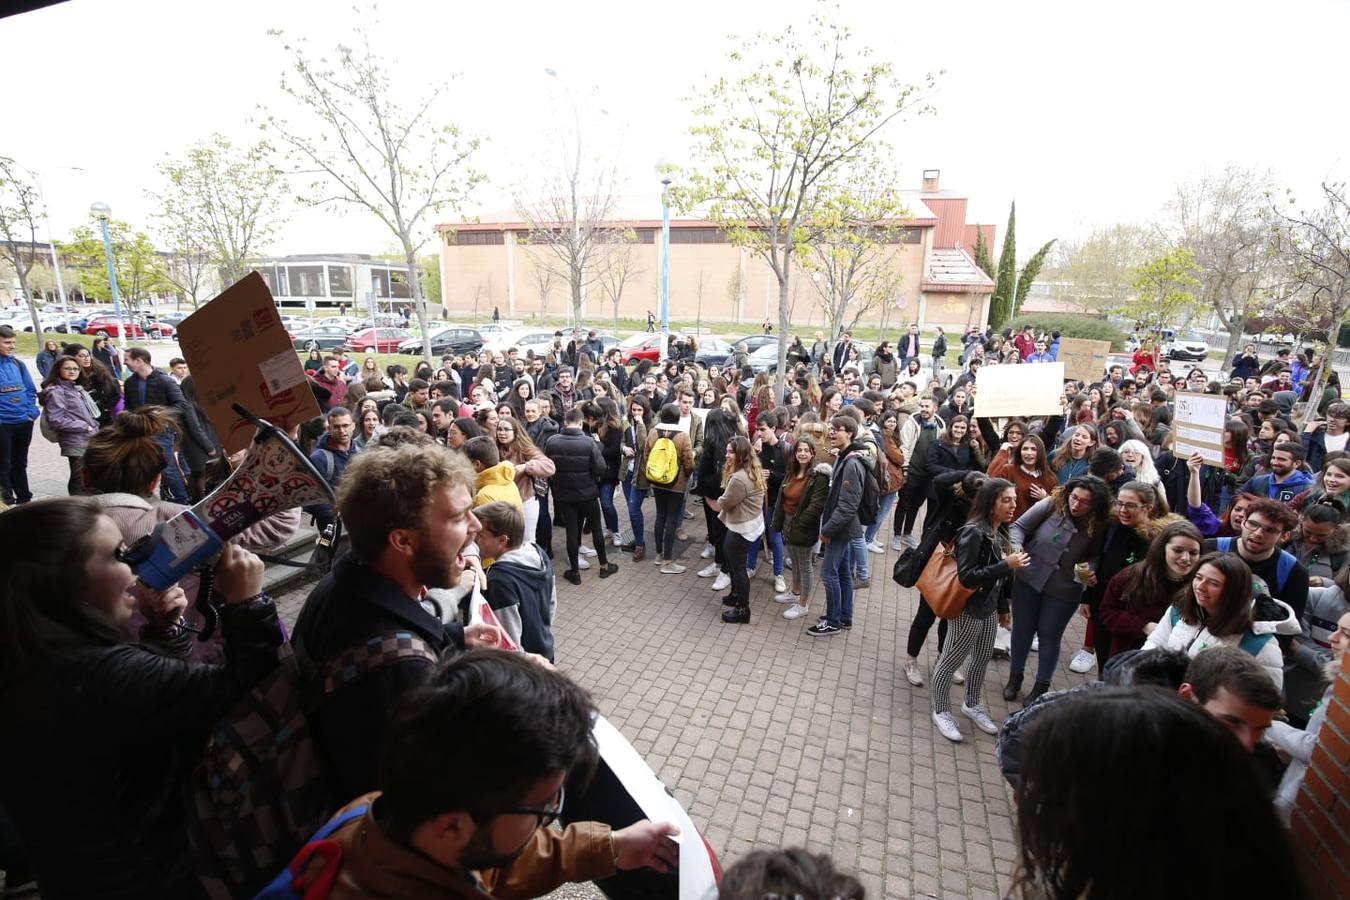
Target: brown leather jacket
{"points": [[373, 865]]}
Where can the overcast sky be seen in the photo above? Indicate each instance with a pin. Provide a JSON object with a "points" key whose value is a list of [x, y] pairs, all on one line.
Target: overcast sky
{"points": [[1085, 113]]}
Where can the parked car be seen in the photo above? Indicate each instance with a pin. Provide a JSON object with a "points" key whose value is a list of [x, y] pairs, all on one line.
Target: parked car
{"points": [[641, 346], [712, 352], [1185, 346], [454, 339], [524, 341], [494, 331], [347, 322], [174, 318], [377, 340], [320, 337], [106, 326], [753, 342]]}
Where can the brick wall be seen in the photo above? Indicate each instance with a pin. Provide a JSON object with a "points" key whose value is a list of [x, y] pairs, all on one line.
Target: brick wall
{"points": [[1321, 820]]}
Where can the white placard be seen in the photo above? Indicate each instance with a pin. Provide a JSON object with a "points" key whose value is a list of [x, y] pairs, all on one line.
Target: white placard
{"points": [[1020, 390], [282, 372], [1198, 426], [696, 874]]}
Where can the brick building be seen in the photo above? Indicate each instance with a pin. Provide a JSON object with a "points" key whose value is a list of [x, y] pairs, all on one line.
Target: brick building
{"points": [[489, 263]]}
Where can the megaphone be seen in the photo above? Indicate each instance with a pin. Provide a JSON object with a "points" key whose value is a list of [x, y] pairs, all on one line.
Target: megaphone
{"points": [[274, 476]]}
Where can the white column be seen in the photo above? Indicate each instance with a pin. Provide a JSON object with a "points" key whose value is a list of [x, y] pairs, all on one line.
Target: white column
{"points": [[510, 241]]}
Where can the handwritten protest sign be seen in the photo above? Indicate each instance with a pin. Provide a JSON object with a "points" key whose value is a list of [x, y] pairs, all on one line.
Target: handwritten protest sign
{"points": [[1020, 390], [1197, 426], [1084, 360]]}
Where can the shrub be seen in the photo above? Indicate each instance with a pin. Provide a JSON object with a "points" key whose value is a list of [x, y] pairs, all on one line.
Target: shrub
{"points": [[1073, 326]]}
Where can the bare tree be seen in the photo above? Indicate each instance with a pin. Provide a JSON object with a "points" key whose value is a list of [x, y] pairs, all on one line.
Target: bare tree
{"points": [[1225, 221], [571, 220], [221, 202], [620, 268], [543, 278], [1096, 273], [365, 150], [736, 291], [1314, 252], [19, 214]]}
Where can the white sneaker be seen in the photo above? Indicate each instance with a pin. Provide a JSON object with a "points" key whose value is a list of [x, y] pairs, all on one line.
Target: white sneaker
{"points": [[1083, 661], [659, 561], [877, 547], [947, 727], [673, 568], [708, 552], [750, 574], [709, 570], [909, 540], [779, 584], [618, 540], [788, 562], [1035, 643], [721, 582], [587, 551], [785, 597], [958, 677], [897, 543], [796, 612], [582, 564], [980, 717], [913, 674]]}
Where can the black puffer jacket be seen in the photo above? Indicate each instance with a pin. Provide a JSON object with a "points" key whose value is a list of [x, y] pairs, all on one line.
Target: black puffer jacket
{"points": [[160, 390], [580, 465], [846, 490], [98, 745], [980, 565]]}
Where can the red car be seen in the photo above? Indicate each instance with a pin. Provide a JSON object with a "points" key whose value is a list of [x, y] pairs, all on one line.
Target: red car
{"points": [[377, 340], [641, 346], [106, 326]]}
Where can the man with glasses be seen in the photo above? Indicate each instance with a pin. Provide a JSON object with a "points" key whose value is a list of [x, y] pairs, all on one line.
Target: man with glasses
{"points": [[470, 818], [1266, 526]]}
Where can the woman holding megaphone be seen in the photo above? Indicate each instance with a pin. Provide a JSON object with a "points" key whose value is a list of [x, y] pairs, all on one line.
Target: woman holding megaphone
{"points": [[101, 730]]}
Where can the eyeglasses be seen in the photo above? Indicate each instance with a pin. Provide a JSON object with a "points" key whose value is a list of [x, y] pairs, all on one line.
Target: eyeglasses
{"points": [[546, 815], [1251, 525], [1127, 506]]}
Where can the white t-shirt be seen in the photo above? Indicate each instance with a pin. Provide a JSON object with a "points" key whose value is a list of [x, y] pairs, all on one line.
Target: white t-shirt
{"points": [[1335, 442]]}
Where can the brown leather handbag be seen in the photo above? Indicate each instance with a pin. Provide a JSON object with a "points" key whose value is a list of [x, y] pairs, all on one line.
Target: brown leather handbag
{"points": [[940, 587]]}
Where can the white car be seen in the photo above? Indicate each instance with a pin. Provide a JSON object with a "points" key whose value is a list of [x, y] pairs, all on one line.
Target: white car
{"points": [[524, 341]]}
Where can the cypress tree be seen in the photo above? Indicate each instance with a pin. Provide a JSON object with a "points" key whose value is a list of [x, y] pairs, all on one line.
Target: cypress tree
{"points": [[1000, 306], [1029, 273], [982, 257]]}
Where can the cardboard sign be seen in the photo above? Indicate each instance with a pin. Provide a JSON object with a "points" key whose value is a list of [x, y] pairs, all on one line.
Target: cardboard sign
{"points": [[1197, 426], [1025, 389], [1084, 360], [239, 352]]}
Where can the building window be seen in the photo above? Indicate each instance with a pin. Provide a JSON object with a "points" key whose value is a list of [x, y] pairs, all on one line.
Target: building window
{"points": [[379, 283], [275, 283], [697, 236], [905, 236], [399, 286], [645, 235], [305, 281], [339, 281], [475, 238]]}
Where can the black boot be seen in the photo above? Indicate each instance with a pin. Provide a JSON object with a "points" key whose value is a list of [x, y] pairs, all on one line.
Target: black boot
{"points": [[730, 600], [738, 615], [1040, 688], [1012, 688]]}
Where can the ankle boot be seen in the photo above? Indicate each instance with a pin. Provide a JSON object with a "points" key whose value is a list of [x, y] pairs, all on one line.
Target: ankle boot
{"points": [[730, 600], [739, 615], [1040, 688], [1012, 688]]}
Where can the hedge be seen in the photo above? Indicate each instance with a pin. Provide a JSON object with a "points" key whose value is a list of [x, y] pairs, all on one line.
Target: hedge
{"points": [[1072, 326]]}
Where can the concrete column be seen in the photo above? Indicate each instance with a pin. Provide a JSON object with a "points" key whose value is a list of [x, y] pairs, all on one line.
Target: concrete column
{"points": [[510, 241]]}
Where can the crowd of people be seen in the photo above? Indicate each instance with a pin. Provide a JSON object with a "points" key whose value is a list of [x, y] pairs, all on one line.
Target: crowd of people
{"points": [[451, 481]]}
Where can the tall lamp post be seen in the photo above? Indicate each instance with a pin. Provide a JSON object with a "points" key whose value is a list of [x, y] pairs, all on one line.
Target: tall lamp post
{"points": [[665, 261], [103, 212]]}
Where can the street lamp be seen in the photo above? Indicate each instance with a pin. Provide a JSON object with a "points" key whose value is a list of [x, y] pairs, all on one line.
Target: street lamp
{"points": [[103, 212], [663, 169]]}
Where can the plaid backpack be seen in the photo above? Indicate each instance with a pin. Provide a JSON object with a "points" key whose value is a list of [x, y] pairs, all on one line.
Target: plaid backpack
{"points": [[258, 792]]}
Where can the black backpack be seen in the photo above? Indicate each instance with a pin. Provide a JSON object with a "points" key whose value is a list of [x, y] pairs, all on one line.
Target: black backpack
{"points": [[870, 503]]}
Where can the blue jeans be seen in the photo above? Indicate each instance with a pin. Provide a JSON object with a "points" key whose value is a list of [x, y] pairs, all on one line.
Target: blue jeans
{"points": [[1044, 617], [860, 564], [835, 575], [775, 539], [607, 510], [887, 503], [635, 499], [172, 477]]}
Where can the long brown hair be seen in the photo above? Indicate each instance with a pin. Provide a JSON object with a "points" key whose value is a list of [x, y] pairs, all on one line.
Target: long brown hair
{"points": [[1150, 582], [1235, 608], [746, 461], [126, 457], [795, 468]]}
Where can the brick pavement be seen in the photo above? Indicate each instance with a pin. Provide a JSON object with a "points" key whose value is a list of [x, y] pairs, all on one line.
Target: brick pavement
{"points": [[772, 738]]}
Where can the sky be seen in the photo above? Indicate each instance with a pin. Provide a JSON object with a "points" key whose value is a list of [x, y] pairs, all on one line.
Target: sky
{"points": [[1086, 114]]}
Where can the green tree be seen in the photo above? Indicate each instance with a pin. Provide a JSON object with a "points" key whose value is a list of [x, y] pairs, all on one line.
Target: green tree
{"points": [[139, 268], [772, 139], [1164, 291], [982, 257], [1030, 270], [1005, 283], [221, 203], [19, 202], [431, 280], [365, 150]]}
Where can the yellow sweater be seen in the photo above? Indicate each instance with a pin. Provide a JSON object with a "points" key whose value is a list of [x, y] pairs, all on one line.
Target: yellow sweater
{"points": [[498, 483]]}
